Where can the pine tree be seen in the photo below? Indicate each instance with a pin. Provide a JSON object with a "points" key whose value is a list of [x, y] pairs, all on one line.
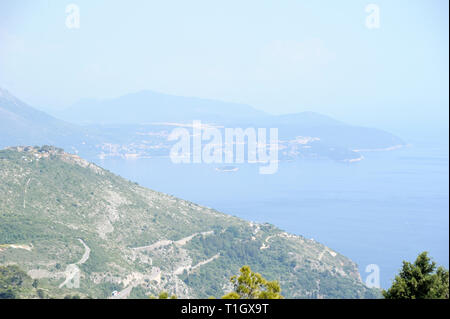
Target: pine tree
{"points": [[251, 285], [420, 280]]}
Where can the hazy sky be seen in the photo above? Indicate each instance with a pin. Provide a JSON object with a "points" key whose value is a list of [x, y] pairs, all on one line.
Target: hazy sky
{"points": [[279, 56]]}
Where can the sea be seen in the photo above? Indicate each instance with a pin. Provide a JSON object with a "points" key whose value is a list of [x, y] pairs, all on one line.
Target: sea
{"points": [[382, 210]]}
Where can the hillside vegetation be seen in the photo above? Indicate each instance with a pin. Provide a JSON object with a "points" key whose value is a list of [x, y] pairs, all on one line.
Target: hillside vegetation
{"points": [[80, 229]]}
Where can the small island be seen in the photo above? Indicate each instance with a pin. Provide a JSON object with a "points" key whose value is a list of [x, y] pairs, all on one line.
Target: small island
{"points": [[227, 169]]}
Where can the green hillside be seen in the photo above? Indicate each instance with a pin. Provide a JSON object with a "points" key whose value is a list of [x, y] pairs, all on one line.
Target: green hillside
{"points": [[64, 220]]}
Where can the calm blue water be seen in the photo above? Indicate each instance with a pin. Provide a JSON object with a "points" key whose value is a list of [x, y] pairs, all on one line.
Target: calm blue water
{"points": [[382, 210]]}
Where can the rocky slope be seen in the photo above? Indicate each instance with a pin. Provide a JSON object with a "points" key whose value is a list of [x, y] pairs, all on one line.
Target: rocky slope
{"points": [[78, 228]]}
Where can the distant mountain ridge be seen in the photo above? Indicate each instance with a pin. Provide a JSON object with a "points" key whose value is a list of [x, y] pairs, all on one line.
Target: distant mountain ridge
{"points": [[147, 106], [21, 124], [132, 125]]}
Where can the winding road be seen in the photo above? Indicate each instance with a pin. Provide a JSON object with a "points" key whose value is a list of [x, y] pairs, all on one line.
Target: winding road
{"points": [[72, 271]]}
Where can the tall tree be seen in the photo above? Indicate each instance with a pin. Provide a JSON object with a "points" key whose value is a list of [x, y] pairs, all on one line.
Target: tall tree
{"points": [[420, 280], [251, 285]]}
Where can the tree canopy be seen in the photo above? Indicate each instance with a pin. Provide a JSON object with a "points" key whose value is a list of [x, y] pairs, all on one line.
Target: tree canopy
{"points": [[420, 280], [251, 285], [12, 279]]}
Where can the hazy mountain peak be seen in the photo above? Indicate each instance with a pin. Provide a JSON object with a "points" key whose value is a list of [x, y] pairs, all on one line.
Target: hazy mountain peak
{"points": [[5, 94], [149, 106]]}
